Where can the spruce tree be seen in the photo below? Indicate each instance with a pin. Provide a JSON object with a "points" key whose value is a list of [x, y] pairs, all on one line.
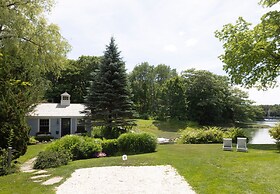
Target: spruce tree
{"points": [[108, 96]]}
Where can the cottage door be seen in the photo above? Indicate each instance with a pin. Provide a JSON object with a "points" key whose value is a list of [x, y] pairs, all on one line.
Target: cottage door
{"points": [[65, 126]]}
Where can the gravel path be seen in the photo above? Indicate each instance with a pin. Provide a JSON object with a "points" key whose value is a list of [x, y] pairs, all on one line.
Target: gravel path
{"points": [[126, 180]]}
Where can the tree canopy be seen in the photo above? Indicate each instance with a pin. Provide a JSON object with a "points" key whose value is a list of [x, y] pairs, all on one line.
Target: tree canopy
{"points": [[146, 81], [30, 47], [251, 54], [74, 78]]}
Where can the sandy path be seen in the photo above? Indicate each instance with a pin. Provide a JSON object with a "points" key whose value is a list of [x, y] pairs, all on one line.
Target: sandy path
{"points": [[126, 180]]}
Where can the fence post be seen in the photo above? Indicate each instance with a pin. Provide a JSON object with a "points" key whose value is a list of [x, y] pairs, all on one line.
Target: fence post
{"points": [[9, 156]]}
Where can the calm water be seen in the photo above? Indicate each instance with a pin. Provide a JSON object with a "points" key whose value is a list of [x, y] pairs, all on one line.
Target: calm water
{"points": [[261, 136]]}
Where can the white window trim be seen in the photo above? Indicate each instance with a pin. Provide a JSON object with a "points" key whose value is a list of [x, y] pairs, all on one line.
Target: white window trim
{"points": [[38, 129]]}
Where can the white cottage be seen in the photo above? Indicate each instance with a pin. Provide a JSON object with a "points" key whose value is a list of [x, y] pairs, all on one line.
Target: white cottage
{"points": [[58, 119]]}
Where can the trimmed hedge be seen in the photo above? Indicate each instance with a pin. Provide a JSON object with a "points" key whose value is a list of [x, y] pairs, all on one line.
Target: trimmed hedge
{"points": [[50, 159], [110, 147], [136, 143], [73, 147], [79, 147]]}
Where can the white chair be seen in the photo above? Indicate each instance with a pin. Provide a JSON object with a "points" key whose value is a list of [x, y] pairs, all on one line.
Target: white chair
{"points": [[241, 144], [227, 144]]}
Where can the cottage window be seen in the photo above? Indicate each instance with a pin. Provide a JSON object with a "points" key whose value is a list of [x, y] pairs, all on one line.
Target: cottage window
{"points": [[44, 125], [81, 128], [65, 98]]}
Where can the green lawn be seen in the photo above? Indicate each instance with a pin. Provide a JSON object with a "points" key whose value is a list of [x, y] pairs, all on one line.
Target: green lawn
{"points": [[207, 168], [166, 129]]}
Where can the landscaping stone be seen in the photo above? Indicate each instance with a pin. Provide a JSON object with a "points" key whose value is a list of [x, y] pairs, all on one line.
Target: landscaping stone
{"points": [[37, 181], [40, 172], [40, 176], [28, 166], [52, 181]]}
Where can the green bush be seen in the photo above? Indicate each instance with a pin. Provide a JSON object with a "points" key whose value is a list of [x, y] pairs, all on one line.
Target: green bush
{"points": [[135, 143], [200, 136], [4, 167], [190, 135], [51, 159], [3, 162], [234, 133], [209, 135], [88, 148], [32, 141], [68, 143], [274, 132], [42, 138], [110, 147], [79, 147], [214, 135]]}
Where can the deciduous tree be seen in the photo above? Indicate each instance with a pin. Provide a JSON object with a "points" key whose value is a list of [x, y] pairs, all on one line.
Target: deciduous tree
{"points": [[251, 54], [74, 79], [30, 47]]}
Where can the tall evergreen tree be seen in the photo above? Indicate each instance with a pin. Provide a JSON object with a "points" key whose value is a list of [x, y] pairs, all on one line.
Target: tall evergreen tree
{"points": [[108, 97]]}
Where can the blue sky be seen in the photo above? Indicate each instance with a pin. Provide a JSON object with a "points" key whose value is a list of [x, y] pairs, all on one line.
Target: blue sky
{"points": [[178, 33]]}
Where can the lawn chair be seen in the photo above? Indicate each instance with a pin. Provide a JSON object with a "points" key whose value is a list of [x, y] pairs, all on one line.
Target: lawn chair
{"points": [[227, 144], [241, 144]]}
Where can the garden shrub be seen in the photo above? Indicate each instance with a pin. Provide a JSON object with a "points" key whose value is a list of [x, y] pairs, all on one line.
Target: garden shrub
{"points": [[52, 159], [213, 135], [80, 147], [200, 136], [3, 162], [68, 143], [110, 147], [234, 133], [190, 135], [4, 167], [43, 138], [274, 132], [32, 141], [209, 135], [88, 148], [135, 143]]}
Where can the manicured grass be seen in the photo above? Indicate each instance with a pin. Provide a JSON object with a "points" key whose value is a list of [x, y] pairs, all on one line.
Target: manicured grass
{"points": [[206, 167], [166, 129], [32, 151]]}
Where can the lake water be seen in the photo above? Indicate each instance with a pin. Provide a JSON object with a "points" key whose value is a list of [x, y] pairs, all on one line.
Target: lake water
{"points": [[261, 136]]}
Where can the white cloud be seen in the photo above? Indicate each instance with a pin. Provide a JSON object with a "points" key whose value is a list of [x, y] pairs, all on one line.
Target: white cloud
{"points": [[178, 33], [170, 48], [268, 97], [191, 42]]}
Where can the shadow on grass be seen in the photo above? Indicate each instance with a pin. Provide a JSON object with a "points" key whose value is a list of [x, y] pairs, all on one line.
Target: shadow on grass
{"points": [[263, 146], [170, 126], [251, 125]]}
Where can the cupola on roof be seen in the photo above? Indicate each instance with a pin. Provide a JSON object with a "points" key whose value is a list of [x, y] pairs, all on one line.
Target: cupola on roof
{"points": [[65, 99]]}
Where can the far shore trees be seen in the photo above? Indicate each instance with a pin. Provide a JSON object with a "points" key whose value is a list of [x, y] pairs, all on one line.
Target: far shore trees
{"points": [[195, 95]]}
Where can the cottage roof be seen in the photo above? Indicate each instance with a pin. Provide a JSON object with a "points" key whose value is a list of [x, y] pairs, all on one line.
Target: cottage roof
{"points": [[58, 110]]}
